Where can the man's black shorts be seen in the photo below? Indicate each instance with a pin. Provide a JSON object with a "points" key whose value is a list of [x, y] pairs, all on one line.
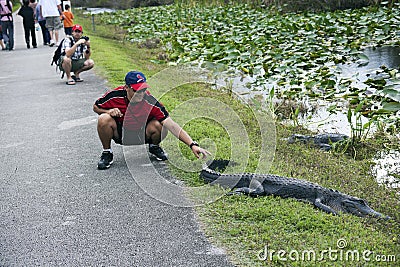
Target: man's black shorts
{"points": [[127, 137]]}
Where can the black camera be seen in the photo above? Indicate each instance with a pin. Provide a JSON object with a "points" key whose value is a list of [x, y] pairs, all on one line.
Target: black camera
{"points": [[85, 37]]}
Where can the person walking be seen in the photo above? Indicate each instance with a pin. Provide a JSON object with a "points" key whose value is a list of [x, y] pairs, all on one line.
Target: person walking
{"points": [[130, 115], [51, 11], [7, 23], [42, 23], [26, 12], [68, 20]]}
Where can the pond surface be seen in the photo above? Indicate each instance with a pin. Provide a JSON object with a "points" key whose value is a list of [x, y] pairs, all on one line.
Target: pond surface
{"points": [[369, 66], [96, 10], [375, 58]]}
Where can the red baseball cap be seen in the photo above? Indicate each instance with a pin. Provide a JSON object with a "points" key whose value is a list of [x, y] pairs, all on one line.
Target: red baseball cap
{"points": [[77, 27]]}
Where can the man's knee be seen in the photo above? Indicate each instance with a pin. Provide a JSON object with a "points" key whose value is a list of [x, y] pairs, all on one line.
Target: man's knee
{"points": [[155, 131], [154, 126], [89, 64], [105, 119], [66, 63]]}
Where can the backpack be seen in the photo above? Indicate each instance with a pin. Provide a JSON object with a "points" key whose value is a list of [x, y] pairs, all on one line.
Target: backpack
{"points": [[57, 56]]}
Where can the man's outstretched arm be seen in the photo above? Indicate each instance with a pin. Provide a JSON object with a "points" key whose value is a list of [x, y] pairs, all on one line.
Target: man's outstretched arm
{"points": [[182, 135]]}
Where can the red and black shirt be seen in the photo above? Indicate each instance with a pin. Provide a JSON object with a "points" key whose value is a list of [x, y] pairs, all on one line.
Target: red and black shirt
{"points": [[136, 115]]}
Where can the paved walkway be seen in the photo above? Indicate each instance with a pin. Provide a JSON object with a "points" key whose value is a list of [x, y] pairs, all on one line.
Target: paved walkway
{"points": [[56, 208]]}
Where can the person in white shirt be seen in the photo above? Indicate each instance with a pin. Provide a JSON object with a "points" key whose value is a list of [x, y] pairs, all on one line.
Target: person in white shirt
{"points": [[51, 11]]}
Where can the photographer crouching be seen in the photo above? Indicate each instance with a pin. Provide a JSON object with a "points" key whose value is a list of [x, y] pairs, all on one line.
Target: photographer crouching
{"points": [[75, 55]]}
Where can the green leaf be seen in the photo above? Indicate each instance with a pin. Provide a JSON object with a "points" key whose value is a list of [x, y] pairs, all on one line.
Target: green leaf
{"points": [[349, 115], [332, 109], [391, 107], [363, 60], [392, 94], [359, 107]]}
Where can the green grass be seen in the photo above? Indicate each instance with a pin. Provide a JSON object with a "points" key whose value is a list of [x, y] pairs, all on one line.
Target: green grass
{"points": [[245, 226]]}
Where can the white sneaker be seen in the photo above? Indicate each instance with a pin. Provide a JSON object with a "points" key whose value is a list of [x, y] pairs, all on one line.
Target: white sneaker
{"points": [[52, 43]]}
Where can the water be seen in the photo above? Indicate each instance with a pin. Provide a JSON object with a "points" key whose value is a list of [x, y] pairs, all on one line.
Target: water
{"points": [[387, 168], [97, 10], [388, 56], [370, 66]]}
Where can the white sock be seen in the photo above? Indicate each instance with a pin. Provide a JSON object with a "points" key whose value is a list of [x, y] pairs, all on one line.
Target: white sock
{"points": [[108, 150]]}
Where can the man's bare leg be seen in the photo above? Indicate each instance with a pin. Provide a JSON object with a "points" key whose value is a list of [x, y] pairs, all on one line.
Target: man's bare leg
{"points": [[87, 66], [106, 129]]}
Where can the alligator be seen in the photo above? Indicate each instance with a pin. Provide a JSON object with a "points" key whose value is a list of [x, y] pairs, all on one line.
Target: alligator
{"points": [[328, 200], [323, 141]]}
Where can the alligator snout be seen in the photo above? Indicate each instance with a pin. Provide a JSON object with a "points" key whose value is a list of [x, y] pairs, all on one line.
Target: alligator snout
{"points": [[359, 207]]}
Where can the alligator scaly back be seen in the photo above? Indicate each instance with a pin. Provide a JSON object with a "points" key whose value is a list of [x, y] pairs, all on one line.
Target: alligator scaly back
{"points": [[328, 200]]}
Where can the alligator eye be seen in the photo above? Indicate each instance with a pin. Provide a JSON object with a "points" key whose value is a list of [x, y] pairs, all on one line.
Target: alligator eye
{"points": [[363, 202], [359, 200], [348, 203]]}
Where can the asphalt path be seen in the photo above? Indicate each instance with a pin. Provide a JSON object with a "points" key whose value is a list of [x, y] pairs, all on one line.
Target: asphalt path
{"points": [[56, 208]]}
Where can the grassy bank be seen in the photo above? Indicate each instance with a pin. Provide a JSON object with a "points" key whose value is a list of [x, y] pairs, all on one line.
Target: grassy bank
{"points": [[247, 227]]}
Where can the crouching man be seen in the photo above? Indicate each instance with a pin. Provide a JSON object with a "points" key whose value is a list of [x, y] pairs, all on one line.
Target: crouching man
{"points": [[76, 55], [130, 115]]}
